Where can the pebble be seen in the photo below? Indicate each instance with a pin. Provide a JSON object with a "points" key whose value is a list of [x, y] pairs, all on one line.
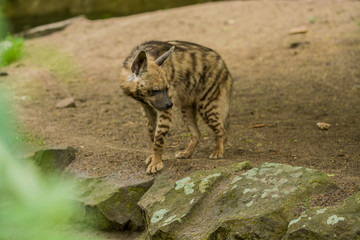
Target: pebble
{"points": [[66, 103], [323, 126], [298, 30]]}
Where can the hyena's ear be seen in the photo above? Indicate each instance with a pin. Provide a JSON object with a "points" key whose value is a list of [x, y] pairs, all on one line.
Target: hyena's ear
{"points": [[162, 59], [140, 64]]}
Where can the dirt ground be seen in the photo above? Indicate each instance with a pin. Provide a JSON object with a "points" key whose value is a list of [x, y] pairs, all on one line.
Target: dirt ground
{"points": [[287, 82]]}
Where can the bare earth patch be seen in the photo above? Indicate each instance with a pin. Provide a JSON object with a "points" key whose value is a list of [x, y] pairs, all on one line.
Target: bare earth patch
{"points": [[283, 83]]}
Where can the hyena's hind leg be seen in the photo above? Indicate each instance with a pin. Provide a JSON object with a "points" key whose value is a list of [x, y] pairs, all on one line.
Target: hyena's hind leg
{"points": [[189, 117], [215, 114]]}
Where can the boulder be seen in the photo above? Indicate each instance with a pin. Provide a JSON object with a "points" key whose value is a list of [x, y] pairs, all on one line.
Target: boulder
{"points": [[110, 203], [341, 222], [227, 203], [53, 159]]}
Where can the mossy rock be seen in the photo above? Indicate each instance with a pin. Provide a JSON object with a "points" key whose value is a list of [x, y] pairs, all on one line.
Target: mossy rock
{"points": [[111, 203], [341, 222], [226, 203], [53, 159]]}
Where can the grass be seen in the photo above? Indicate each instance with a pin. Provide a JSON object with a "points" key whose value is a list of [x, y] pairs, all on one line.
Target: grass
{"points": [[11, 50]]}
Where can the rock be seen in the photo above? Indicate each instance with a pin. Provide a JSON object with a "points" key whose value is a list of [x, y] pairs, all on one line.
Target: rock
{"points": [[342, 222], [298, 30], [53, 159], [66, 103], [111, 203], [226, 203], [323, 126], [47, 29]]}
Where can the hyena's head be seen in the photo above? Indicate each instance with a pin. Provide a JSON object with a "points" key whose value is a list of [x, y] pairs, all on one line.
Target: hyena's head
{"points": [[147, 81]]}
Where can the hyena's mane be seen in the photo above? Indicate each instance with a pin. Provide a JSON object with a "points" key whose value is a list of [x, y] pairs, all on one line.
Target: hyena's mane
{"points": [[152, 48], [156, 48]]}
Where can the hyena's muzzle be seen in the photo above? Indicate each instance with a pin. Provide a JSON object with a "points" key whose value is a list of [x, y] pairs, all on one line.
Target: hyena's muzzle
{"points": [[162, 101]]}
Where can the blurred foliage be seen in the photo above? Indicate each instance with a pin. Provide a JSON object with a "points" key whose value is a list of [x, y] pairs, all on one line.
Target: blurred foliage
{"points": [[32, 206], [11, 50]]}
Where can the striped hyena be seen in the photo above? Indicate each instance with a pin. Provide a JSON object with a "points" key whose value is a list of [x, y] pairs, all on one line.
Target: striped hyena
{"points": [[190, 76]]}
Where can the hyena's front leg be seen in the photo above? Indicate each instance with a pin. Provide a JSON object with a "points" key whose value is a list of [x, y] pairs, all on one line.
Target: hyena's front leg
{"points": [[151, 117], [154, 162]]}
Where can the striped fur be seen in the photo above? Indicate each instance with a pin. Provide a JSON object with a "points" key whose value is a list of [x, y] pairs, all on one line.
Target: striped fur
{"points": [[192, 77]]}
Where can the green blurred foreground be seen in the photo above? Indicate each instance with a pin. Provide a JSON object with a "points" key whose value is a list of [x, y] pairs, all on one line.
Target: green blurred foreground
{"points": [[11, 48], [32, 206]]}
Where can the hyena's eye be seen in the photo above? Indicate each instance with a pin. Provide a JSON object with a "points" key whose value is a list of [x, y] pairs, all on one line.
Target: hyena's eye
{"points": [[154, 92]]}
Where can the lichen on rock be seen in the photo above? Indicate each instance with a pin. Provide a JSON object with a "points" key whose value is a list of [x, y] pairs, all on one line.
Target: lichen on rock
{"points": [[258, 203], [179, 198], [339, 222]]}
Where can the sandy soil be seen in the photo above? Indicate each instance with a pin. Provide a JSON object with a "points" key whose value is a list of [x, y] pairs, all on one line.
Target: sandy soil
{"points": [[287, 82]]}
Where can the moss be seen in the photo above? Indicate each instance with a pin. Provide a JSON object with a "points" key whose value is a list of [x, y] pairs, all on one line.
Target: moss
{"points": [[160, 235], [96, 219]]}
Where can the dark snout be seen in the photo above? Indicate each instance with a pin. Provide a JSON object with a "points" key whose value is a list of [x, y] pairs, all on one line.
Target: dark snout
{"points": [[162, 101], [169, 105]]}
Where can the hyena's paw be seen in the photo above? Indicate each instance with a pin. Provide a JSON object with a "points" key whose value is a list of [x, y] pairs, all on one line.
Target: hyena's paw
{"points": [[216, 155], [153, 168], [153, 165], [148, 160], [183, 154]]}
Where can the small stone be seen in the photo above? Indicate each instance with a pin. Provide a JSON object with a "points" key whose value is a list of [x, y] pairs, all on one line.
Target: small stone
{"points": [[244, 165], [323, 126], [66, 103], [298, 30], [229, 22], [3, 74], [298, 44]]}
